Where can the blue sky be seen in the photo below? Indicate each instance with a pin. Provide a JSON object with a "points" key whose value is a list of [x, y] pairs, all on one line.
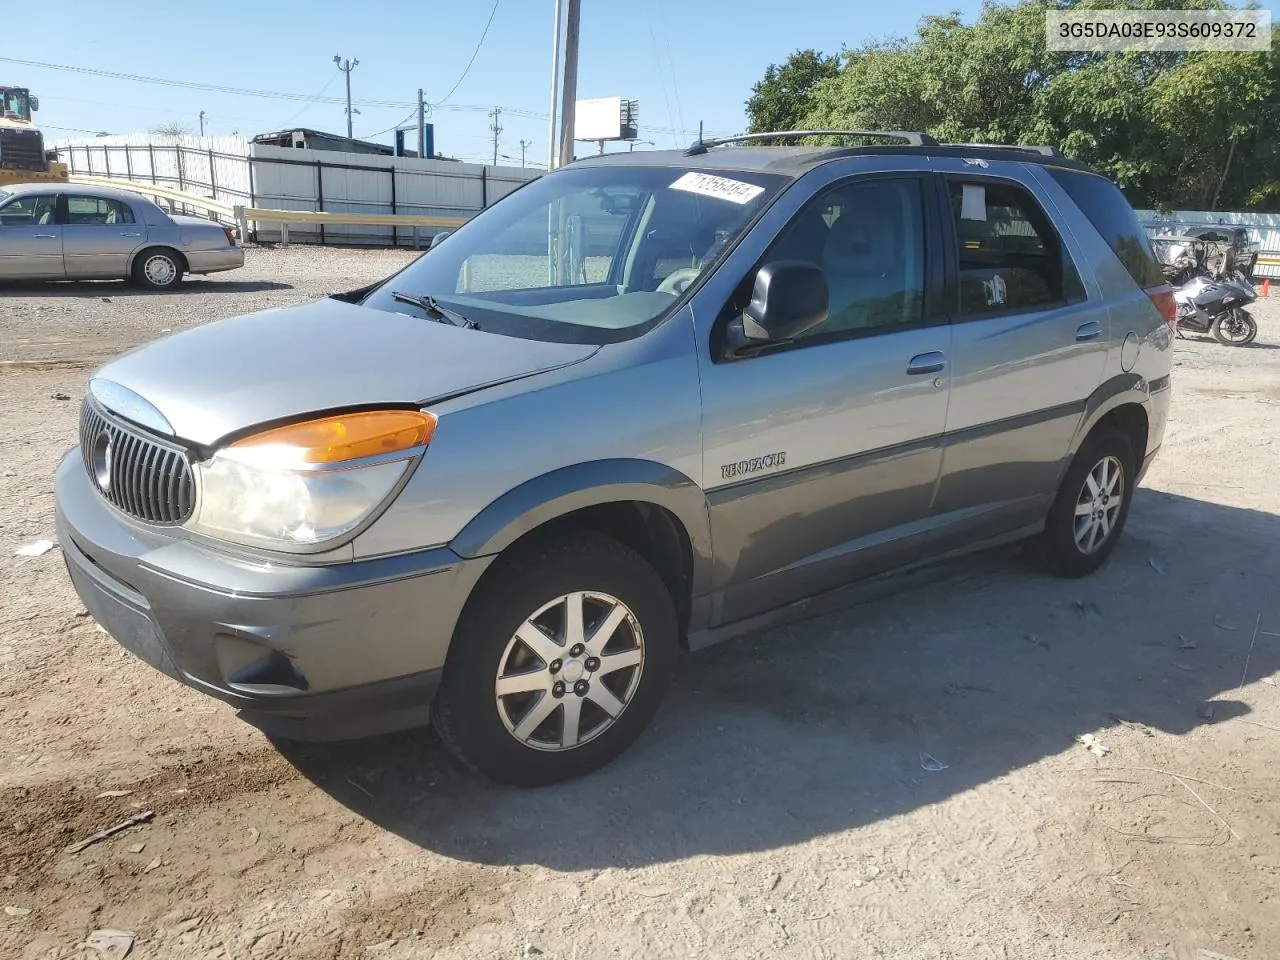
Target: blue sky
{"points": [[684, 60]]}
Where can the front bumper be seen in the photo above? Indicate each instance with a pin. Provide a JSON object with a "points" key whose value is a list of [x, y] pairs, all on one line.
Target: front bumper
{"points": [[212, 261], [316, 653]]}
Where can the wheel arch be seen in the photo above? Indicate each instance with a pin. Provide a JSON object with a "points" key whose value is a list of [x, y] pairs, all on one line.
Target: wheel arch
{"points": [[1120, 402], [652, 508], [148, 247]]}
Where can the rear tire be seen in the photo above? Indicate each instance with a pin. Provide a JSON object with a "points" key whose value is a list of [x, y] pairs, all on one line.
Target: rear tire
{"points": [[1086, 520], [1235, 329], [517, 634], [158, 269]]}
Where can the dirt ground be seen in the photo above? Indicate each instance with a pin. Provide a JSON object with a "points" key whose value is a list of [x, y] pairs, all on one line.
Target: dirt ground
{"points": [[786, 804]]}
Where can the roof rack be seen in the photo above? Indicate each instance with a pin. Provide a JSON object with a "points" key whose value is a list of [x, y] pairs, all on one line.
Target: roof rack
{"points": [[911, 138], [1024, 147]]}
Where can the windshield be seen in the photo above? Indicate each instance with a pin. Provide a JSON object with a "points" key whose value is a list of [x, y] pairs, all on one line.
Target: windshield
{"points": [[15, 102], [593, 255]]}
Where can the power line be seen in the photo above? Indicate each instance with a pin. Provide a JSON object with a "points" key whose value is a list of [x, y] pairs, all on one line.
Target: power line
{"points": [[312, 101], [475, 53], [657, 59], [671, 65], [306, 98], [193, 85], [394, 126]]}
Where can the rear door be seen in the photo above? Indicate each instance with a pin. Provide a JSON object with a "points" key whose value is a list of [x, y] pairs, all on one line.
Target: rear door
{"points": [[1029, 345], [30, 238], [99, 236]]}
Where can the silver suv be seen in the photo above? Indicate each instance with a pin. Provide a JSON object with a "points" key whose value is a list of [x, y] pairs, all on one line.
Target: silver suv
{"points": [[641, 405]]}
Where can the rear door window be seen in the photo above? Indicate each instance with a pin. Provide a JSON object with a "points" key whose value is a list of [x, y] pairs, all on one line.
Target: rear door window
{"points": [[97, 210], [1009, 257]]}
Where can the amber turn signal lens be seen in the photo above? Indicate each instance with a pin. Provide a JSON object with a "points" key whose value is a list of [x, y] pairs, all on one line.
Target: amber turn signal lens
{"points": [[348, 436]]}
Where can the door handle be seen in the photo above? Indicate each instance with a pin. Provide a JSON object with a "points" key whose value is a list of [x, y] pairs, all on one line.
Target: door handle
{"points": [[924, 363], [1089, 331], [123, 234], [45, 236]]}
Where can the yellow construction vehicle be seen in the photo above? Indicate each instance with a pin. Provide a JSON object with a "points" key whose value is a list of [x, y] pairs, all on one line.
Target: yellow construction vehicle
{"points": [[23, 158]]}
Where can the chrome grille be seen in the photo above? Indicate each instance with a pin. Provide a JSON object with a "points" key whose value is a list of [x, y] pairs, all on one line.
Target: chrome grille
{"points": [[144, 478]]}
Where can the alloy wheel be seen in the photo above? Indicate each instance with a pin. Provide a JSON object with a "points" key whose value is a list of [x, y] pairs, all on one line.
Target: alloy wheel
{"points": [[1098, 505], [569, 671]]}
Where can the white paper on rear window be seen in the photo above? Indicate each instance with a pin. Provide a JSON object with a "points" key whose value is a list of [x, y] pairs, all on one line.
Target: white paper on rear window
{"points": [[721, 188], [973, 202]]}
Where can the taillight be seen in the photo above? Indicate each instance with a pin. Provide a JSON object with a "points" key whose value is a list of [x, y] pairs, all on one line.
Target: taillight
{"points": [[1162, 297], [231, 237]]}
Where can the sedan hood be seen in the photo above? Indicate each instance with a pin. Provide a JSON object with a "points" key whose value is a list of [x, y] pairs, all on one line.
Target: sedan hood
{"points": [[235, 374]]}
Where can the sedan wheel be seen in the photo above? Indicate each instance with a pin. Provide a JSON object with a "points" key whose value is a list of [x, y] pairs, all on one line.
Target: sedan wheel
{"points": [[157, 270]]}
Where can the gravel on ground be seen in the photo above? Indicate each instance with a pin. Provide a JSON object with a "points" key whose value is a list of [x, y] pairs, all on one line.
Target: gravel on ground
{"points": [[900, 779]]}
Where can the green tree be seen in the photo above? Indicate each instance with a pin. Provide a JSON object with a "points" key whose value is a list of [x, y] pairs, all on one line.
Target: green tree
{"points": [[784, 97], [1189, 130]]}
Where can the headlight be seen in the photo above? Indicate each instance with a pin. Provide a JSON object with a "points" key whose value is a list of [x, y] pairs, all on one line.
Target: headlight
{"points": [[308, 483]]}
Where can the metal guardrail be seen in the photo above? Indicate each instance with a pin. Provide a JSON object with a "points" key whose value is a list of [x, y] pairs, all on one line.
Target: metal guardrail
{"points": [[243, 215]]}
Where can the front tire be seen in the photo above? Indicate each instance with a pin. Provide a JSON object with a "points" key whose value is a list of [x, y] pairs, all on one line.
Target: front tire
{"points": [[1236, 328], [1091, 507], [158, 269], [559, 661]]}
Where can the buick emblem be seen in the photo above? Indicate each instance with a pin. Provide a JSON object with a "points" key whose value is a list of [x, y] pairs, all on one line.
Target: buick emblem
{"points": [[102, 454]]}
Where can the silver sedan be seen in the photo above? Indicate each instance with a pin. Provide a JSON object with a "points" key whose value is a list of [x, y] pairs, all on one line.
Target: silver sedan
{"points": [[58, 231]]}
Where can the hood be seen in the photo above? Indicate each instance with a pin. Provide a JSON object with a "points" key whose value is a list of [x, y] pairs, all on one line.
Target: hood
{"points": [[235, 374]]}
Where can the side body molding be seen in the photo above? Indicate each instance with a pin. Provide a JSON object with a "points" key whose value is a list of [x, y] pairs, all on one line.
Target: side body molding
{"points": [[596, 482]]}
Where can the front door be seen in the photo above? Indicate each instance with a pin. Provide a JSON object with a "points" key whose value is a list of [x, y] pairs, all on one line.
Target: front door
{"points": [[821, 456], [30, 238], [100, 235], [1029, 346]]}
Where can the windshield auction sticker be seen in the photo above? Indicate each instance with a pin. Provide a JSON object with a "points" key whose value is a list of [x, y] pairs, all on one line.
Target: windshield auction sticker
{"points": [[1122, 31], [722, 188]]}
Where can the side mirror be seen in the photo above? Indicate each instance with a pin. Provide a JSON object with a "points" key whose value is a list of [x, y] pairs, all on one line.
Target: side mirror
{"points": [[35, 104], [438, 238], [789, 297]]}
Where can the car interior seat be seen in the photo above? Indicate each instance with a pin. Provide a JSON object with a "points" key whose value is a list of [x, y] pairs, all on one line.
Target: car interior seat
{"points": [[861, 257]]}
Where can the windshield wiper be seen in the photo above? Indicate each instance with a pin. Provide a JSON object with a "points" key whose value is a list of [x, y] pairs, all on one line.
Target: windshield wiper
{"points": [[432, 308]]}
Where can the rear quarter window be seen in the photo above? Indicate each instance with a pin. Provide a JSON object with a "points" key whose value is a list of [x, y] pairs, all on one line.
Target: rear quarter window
{"points": [[1102, 202]]}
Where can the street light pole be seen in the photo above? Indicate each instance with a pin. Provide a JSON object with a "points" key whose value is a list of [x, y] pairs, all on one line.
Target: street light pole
{"points": [[202, 123], [347, 68]]}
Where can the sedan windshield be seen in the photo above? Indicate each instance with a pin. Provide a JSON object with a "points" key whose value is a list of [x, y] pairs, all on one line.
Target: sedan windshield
{"points": [[592, 255]]}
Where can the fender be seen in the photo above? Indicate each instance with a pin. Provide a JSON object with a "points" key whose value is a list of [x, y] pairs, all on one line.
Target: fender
{"points": [[571, 488], [1115, 392]]}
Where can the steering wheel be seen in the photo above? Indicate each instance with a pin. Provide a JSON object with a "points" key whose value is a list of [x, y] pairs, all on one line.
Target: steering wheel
{"points": [[677, 281]]}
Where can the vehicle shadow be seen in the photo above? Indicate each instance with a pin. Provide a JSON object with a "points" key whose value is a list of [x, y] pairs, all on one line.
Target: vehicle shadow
{"points": [[797, 732], [122, 288]]}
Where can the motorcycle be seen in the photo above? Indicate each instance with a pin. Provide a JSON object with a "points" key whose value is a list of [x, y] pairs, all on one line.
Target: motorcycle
{"points": [[1209, 292]]}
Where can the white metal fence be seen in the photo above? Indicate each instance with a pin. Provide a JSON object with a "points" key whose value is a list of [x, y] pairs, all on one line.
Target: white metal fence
{"points": [[240, 173]]}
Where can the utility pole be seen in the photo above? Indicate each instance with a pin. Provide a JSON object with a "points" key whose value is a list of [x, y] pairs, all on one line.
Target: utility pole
{"points": [[422, 126], [347, 68], [569, 92], [552, 147], [524, 145], [202, 123], [496, 130]]}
